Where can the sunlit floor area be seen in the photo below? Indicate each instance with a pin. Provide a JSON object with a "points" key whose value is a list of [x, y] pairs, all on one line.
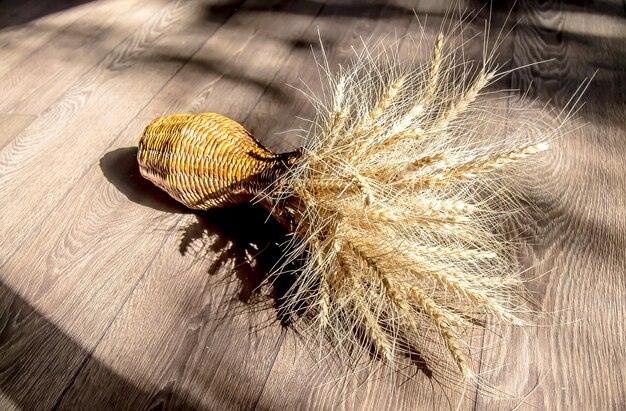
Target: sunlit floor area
{"points": [[114, 296]]}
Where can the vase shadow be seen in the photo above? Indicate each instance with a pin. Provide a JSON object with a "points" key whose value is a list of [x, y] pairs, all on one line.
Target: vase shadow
{"points": [[243, 240]]}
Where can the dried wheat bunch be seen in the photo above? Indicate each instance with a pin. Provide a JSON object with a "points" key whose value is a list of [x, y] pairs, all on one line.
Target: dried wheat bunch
{"points": [[397, 204]]}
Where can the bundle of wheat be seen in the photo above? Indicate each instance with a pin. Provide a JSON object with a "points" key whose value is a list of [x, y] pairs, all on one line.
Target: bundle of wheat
{"points": [[396, 203]]}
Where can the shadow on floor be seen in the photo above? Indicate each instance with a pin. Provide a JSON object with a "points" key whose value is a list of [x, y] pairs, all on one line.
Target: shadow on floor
{"points": [[572, 53], [42, 367], [245, 237], [349, 8], [22, 12], [39, 362], [575, 40]]}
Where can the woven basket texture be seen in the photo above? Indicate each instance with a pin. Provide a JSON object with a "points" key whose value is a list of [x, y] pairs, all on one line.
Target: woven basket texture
{"points": [[207, 160]]}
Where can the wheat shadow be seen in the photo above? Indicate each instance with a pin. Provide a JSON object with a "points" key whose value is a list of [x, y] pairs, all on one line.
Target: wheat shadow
{"points": [[242, 242]]}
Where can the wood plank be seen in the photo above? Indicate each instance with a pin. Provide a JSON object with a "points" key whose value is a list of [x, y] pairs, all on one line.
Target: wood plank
{"points": [[368, 20], [180, 348], [50, 339], [40, 79], [71, 286], [578, 259], [26, 26], [227, 76], [12, 124]]}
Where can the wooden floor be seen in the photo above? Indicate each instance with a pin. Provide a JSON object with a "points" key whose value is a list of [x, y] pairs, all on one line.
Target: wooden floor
{"points": [[114, 297]]}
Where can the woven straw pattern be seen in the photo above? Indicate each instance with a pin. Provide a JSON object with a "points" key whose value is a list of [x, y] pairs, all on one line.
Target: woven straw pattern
{"points": [[207, 160]]}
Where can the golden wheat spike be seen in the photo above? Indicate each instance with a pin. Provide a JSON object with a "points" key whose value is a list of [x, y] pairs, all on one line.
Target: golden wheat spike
{"points": [[462, 103], [387, 99], [443, 319], [402, 129]]}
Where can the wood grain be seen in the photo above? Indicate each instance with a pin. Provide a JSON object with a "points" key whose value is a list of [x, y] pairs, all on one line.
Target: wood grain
{"points": [[26, 27], [574, 351], [371, 21], [80, 114], [12, 124], [237, 65], [112, 296], [56, 252], [41, 78]]}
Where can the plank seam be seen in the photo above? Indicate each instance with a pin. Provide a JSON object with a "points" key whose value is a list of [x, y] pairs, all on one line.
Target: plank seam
{"points": [[89, 355], [79, 78]]}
